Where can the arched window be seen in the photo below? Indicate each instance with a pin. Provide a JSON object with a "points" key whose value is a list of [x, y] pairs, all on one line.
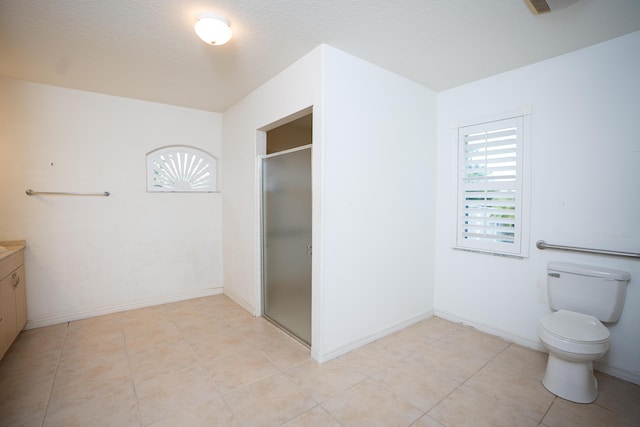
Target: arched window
{"points": [[181, 169]]}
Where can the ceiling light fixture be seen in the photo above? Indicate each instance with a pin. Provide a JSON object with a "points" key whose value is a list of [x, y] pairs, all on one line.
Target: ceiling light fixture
{"points": [[213, 28]]}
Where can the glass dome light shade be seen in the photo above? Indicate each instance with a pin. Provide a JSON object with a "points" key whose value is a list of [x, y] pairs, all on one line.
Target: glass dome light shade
{"points": [[213, 28]]}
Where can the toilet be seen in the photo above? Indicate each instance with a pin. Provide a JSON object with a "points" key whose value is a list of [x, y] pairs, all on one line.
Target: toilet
{"points": [[581, 297]]}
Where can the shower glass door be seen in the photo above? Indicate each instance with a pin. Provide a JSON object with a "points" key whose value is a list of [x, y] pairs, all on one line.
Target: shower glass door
{"points": [[286, 260]]}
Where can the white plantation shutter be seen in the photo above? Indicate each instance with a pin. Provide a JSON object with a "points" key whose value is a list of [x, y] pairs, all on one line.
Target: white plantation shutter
{"points": [[490, 186]]}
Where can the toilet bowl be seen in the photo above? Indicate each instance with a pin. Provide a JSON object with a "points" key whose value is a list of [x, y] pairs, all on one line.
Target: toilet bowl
{"points": [[574, 341], [581, 297]]}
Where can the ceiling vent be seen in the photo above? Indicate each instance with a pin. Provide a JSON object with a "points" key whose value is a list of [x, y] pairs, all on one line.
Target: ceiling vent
{"points": [[538, 7]]}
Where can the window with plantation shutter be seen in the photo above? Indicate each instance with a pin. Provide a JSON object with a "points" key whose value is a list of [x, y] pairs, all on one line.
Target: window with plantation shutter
{"points": [[490, 186]]}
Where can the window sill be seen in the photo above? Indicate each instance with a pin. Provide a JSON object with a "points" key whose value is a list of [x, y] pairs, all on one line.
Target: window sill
{"points": [[500, 254]]}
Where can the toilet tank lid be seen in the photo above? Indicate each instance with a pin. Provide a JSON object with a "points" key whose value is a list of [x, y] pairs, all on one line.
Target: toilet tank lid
{"points": [[589, 270]]}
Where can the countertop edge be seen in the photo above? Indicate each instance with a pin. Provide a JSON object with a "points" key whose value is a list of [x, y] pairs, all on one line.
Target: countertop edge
{"points": [[13, 246]]}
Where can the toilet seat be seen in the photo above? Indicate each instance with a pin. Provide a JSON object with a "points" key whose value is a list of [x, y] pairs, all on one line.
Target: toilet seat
{"points": [[576, 336], [578, 328]]}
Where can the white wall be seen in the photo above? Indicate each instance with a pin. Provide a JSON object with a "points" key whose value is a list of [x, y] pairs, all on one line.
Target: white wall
{"points": [[93, 255], [296, 88], [585, 175], [373, 183], [378, 202]]}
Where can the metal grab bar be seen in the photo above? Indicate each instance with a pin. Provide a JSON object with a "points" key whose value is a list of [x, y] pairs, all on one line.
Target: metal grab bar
{"points": [[541, 244], [57, 193]]}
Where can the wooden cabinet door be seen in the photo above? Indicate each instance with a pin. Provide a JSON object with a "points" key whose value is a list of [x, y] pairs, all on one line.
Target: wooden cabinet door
{"points": [[20, 289], [7, 314]]}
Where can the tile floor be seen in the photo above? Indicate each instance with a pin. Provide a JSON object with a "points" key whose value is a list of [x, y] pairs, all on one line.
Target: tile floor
{"points": [[206, 362]]}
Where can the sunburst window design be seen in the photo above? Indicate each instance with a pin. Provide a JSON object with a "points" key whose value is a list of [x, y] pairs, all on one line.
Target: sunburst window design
{"points": [[181, 169]]}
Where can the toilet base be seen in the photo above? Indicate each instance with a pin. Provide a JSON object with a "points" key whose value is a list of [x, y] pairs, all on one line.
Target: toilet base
{"points": [[569, 380]]}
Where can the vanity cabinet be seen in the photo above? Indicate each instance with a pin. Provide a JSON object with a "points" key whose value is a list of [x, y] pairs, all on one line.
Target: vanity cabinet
{"points": [[13, 298]]}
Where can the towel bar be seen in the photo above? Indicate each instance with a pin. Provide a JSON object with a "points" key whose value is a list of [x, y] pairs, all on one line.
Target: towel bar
{"points": [[58, 193], [541, 244]]}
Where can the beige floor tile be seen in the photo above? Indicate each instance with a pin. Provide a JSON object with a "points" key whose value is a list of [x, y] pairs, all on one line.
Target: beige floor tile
{"points": [[416, 332], [233, 313], [371, 404], [448, 360], [269, 402], [184, 315], [34, 421], [73, 388], [619, 396], [216, 308], [222, 343], [236, 315], [104, 418], [161, 359], [162, 396], [285, 353], [99, 372], [195, 327], [88, 354], [426, 421], [99, 341], [218, 300], [523, 361], [109, 404], [322, 381], [372, 358], [25, 362], [185, 307], [141, 340], [82, 373], [23, 398], [94, 414], [153, 313], [40, 340], [82, 369], [233, 319], [212, 413], [470, 341], [232, 372], [34, 352], [568, 414], [413, 382], [315, 417], [146, 320], [521, 392], [406, 342], [436, 328], [468, 407], [87, 338], [135, 329], [259, 332], [394, 348], [98, 324]]}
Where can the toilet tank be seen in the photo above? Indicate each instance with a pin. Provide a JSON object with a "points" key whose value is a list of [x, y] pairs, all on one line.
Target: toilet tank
{"points": [[586, 289]]}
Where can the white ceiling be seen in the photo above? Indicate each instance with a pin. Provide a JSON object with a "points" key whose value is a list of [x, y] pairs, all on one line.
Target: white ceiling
{"points": [[146, 49]]}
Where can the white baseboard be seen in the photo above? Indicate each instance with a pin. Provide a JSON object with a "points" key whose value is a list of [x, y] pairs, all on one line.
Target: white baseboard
{"points": [[623, 374], [325, 357], [241, 302], [633, 377], [54, 320], [507, 336]]}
